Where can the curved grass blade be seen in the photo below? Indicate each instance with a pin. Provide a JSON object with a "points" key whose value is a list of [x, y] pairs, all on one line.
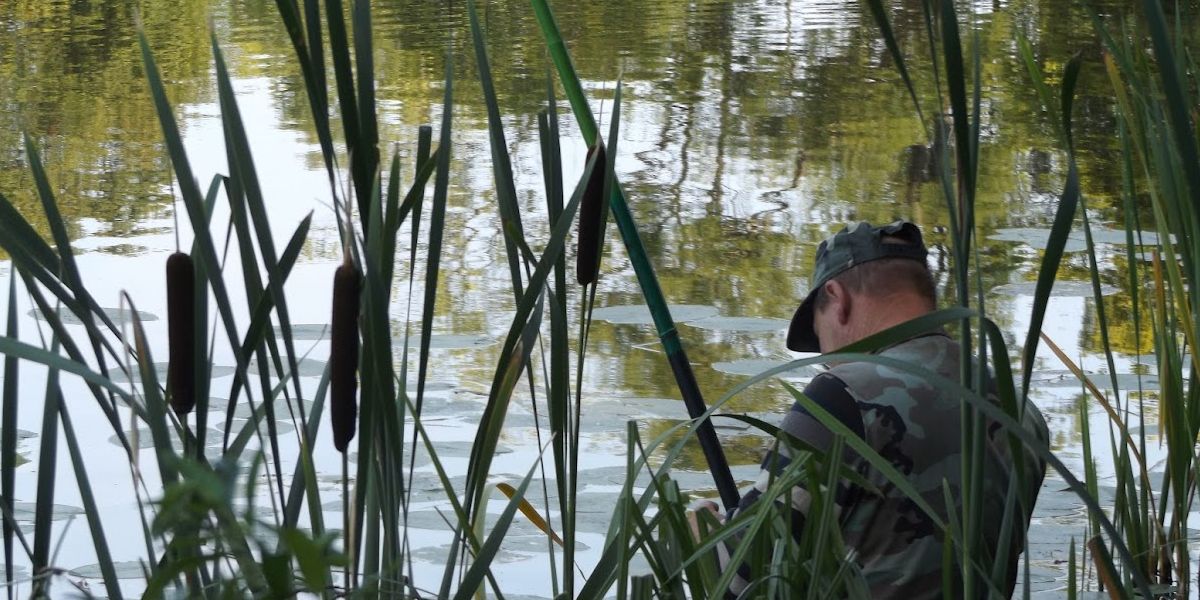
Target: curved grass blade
{"points": [[506, 193], [8, 434], [103, 557], [889, 39], [651, 290], [47, 460], [481, 566]]}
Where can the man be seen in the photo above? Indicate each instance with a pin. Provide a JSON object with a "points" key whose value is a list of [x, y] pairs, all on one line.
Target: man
{"points": [[867, 279]]}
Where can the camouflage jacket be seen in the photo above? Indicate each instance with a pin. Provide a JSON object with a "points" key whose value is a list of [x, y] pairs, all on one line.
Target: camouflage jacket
{"points": [[918, 429]]}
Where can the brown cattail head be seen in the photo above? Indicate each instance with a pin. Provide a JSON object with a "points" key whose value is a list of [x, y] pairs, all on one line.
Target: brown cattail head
{"points": [[181, 314], [591, 228], [343, 356]]}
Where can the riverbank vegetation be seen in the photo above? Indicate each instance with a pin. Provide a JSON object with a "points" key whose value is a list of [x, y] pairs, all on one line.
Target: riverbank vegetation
{"points": [[199, 492]]}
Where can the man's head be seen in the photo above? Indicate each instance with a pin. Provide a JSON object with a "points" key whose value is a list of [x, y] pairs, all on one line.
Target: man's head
{"points": [[865, 279]]}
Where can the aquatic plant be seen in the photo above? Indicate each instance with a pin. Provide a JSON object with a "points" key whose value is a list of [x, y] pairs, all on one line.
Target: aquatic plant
{"points": [[200, 529]]}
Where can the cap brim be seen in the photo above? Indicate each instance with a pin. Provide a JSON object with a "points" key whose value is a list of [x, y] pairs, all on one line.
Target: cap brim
{"points": [[801, 335]]}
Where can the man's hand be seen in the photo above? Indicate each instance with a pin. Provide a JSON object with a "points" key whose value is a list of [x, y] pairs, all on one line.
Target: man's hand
{"points": [[694, 518]]}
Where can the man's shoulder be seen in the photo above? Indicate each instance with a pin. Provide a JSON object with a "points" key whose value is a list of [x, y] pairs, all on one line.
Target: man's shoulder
{"points": [[937, 353]]}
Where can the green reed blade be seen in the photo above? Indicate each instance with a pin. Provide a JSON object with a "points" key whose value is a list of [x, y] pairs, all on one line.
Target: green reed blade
{"points": [[309, 52], [69, 273], [24, 351], [378, 380], [1176, 98], [481, 565], [506, 192], [204, 253], [559, 395], [47, 461], [20, 238], [260, 315], [366, 152], [956, 83], [8, 433], [558, 399], [517, 334], [391, 217], [1063, 219], [58, 229], [889, 39], [437, 223], [339, 50], [156, 404], [96, 528], [304, 479], [241, 164], [651, 291]]}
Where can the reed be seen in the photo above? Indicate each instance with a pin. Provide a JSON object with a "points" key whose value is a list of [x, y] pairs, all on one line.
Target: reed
{"points": [[343, 356], [181, 319], [196, 536], [591, 222]]}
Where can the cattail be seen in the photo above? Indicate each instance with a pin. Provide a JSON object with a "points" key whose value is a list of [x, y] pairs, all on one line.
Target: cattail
{"points": [[587, 253], [181, 314], [343, 356]]}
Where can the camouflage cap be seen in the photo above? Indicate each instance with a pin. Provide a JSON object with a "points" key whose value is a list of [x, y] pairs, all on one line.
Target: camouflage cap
{"points": [[852, 246]]}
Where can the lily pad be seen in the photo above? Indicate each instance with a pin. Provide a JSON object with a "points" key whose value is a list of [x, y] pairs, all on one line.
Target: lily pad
{"points": [[27, 511], [450, 341], [310, 331], [1061, 289], [748, 324], [125, 569], [160, 370], [754, 366], [242, 410], [145, 440], [639, 314], [1037, 238], [1076, 241], [308, 367], [281, 426], [1126, 381], [117, 315]]}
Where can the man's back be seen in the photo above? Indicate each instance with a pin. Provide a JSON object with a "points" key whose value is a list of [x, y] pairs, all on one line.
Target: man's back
{"points": [[918, 429]]}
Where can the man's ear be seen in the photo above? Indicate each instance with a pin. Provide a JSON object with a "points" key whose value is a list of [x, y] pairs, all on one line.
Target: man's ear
{"points": [[840, 301]]}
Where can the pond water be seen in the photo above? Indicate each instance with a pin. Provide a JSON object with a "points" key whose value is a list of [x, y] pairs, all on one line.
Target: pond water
{"points": [[750, 130]]}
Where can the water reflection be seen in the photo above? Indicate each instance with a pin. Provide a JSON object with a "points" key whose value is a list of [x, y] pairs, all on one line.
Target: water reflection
{"points": [[751, 129]]}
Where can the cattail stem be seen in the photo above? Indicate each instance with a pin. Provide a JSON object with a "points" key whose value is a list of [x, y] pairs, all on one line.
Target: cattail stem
{"points": [[181, 314], [343, 356], [591, 223]]}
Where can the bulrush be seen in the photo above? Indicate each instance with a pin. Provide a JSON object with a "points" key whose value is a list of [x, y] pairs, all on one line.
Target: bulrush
{"points": [[587, 253], [343, 355], [181, 313]]}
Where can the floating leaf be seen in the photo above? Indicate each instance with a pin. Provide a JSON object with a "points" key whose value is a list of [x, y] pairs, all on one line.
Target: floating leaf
{"points": [[118, 316], [754, 366], [748, 324], [1061, 289], [125, 569], [639, 314], [447, 341]]}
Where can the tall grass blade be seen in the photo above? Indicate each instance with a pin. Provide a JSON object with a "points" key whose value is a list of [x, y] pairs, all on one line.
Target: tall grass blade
{"points": [[502, 173], [879, 12], [8, 433], [47, 462], [96, 529], [204, 253], [1052, 257], [651, 291]]}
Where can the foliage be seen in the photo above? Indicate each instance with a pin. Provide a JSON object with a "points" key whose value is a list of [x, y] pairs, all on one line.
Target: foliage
{"points": [[198, 537]]}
